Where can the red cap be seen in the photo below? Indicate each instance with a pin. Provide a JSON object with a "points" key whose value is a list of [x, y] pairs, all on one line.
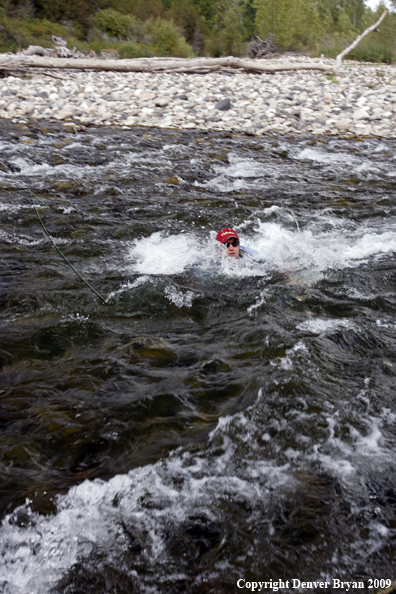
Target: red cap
{"points": [[226, 234]]}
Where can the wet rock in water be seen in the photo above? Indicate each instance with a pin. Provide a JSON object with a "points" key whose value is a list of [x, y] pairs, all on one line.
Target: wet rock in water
{"points": [[173, 180], [223, 105]]}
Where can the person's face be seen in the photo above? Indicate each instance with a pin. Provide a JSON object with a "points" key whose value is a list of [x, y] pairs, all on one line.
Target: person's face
{"points": [[232, 247]]}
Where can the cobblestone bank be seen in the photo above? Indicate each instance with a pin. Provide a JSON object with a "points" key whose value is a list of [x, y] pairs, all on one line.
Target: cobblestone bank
{"points": [[359, 100]]}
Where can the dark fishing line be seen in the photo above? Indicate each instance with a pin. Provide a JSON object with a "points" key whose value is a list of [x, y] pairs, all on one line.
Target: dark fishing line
{"points": [[32, 195]]}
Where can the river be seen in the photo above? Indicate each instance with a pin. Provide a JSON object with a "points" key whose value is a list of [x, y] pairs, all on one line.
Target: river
{"points": [[215, 420]]}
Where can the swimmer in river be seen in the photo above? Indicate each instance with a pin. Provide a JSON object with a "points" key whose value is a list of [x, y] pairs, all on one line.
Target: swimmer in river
{"points": [[230, 239]]}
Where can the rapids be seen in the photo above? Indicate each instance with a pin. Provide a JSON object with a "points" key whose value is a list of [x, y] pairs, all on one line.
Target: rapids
{"points": [[216, 420]]}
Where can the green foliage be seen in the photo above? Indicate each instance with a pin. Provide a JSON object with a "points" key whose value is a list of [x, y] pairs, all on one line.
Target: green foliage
{"points": [[331, 77], [132, 49], [204, 27], [188, 19], [78, 12], [114, 23], [142, 10], [43, 30], [387, 32], [96, 45], [228, 38], [275, 17], [344, 24], [249, 20], [15, 33], [231, 34], [208, 9], [355, 10], [292, 22], [372, 51], [308, 27], [165, 39]]}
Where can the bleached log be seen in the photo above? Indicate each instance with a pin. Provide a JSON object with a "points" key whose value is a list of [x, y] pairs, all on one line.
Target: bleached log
{"points": [[21, 62], [359, 39]]}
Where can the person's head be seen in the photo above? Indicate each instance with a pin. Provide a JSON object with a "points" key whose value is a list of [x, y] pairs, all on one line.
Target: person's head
{"points": [[230, 239]]}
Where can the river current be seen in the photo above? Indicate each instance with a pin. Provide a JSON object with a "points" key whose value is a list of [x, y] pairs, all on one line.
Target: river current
{"points": [[215, 420]]}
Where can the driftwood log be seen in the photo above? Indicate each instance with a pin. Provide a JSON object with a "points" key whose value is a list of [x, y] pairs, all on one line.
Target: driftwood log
{"points": [[22, 62]]}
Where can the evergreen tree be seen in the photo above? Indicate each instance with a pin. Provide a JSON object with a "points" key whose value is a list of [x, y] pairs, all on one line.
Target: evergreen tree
{"points": [[249, 19], [231, 31], [355, 10], [292, 22], [275, 17], [208, 9], [344, 24]]}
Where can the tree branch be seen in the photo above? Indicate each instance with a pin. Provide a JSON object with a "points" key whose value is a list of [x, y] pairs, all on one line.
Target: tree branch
{"points": [[358, 40]]}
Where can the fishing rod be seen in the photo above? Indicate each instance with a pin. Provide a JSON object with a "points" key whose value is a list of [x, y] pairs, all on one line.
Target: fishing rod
{"points": [[33, 196]]}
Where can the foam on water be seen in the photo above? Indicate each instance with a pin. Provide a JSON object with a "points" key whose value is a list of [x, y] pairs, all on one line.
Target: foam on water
{"points": [[36, 555], [152, 501], [13, 238], [118, 163], [128, 286], [178, 297], [326, 157], [321, 326], [280, 248], [383, 323], [358, 164], [320, 250], [244, 168], [159, 254]]}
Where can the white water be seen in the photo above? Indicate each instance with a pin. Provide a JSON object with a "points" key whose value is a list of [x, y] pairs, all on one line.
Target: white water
{"points": [[281, 249], [155, 499]]}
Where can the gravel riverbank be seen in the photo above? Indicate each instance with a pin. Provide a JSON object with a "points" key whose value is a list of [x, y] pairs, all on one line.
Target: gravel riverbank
{"points": [[359, 101]]}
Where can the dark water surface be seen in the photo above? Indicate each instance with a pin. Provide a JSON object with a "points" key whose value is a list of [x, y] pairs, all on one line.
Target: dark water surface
{"points": [[212, 422]]}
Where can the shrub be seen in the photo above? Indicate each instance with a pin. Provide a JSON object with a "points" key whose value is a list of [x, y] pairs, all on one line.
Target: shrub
{"points": [[97, 46], [132, 49], [373, 51], [40, 29], [114, 23], [141, 9], [15, 33], [165, 39]]}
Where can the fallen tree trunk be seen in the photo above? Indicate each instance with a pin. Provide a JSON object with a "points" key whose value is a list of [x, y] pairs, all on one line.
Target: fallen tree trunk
{"points": [[21, 62], [358, 40]]}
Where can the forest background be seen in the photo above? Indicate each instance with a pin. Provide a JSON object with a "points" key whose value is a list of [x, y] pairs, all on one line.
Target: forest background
{"points": [[187, 28]]}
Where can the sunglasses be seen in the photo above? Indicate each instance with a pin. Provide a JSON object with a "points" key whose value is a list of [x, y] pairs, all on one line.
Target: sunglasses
{"points": [[234, 243]]}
